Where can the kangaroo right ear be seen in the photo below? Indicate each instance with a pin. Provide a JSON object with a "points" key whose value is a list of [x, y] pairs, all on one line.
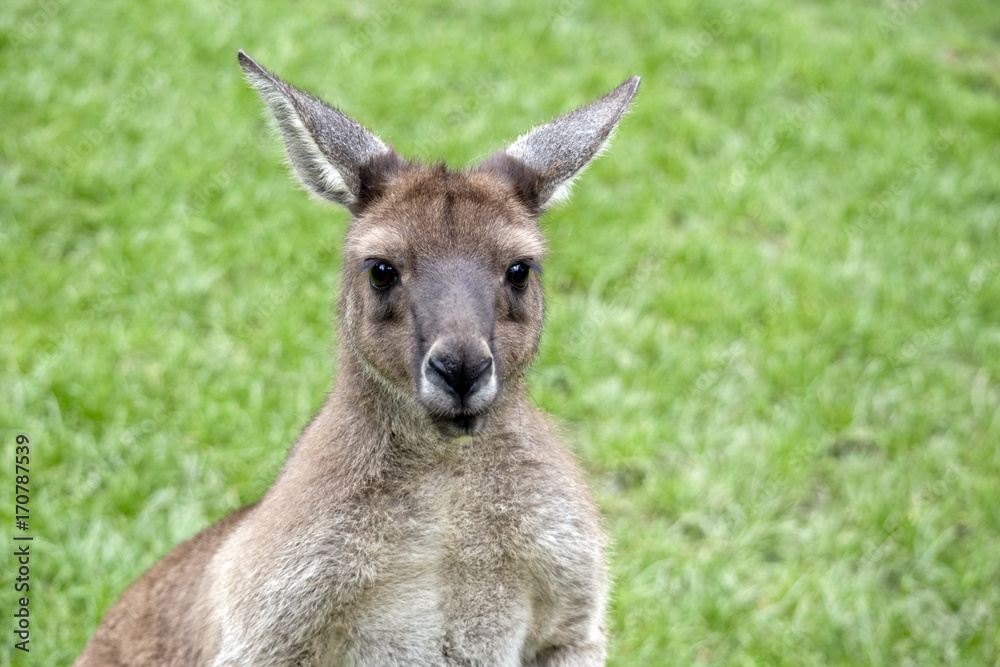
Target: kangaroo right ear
{"points": [[542, 164], [332, 155]]}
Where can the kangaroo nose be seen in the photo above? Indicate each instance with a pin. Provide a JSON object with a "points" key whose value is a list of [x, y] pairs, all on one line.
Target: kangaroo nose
{"points": [[461, 375]]}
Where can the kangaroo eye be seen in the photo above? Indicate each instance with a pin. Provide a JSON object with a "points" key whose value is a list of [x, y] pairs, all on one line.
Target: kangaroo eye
{"points": [[382, 275], [517, 275]]}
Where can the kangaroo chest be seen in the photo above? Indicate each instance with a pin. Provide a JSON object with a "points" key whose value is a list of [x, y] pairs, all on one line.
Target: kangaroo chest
{"points": [[458, 556]]}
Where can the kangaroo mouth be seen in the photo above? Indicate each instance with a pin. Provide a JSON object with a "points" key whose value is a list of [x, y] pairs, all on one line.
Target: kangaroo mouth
{"points": [[463, 424]]}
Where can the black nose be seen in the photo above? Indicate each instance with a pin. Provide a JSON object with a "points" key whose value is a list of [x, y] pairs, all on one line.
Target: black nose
{"points": [[461, 375]]}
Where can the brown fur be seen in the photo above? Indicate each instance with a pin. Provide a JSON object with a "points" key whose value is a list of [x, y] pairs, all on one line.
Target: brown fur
{"points": [[403, 528]]}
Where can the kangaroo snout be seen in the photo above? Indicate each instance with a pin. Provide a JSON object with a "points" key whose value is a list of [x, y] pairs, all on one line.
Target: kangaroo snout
{"points": [[461, 376], [458, 383]]}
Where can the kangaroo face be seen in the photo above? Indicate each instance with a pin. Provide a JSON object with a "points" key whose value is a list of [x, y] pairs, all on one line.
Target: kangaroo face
{"points": [[441, 294]]}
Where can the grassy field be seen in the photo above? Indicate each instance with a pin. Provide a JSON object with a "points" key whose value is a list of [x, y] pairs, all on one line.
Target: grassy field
{"points": [[774, 305]]}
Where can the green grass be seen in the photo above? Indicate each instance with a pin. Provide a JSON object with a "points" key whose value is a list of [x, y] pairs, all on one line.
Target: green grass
{"points": [[774, 306]]}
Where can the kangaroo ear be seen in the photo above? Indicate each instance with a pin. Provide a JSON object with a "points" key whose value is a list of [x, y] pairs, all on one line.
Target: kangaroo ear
{"points": [[542, 164], [331, 154]]}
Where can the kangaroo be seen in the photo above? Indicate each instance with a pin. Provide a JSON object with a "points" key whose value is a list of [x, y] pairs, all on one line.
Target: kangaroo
{"points": [[428, 514]]}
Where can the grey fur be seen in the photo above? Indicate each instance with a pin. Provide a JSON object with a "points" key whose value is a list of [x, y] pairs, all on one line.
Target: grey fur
{"points": [[428, 514], [325, 147], [560, 150]]}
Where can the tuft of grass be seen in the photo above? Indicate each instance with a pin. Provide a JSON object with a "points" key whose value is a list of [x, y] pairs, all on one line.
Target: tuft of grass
{"points": [[774, 307]]}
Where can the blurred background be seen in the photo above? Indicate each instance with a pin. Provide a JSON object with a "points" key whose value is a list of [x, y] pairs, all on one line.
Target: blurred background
{"points": [[774, 305]]}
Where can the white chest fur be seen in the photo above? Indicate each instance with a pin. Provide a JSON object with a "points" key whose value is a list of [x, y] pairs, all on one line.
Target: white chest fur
{"points": [[471, 575]]}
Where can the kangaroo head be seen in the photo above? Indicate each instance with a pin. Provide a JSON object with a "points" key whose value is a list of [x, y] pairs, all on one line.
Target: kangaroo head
{"points": [[440, 299]]}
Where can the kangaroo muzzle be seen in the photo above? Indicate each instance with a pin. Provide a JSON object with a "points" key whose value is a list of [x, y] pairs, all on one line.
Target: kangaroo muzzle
{"points": [[458, 379], [458, 384]]}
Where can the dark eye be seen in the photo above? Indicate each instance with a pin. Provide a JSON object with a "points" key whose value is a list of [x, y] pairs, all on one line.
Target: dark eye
{"points": [[517, 275], [382, 275]]}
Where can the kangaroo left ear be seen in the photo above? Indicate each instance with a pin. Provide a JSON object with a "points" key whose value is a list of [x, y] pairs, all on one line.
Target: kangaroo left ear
{"points": [[542, 164], [333, 156]]}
